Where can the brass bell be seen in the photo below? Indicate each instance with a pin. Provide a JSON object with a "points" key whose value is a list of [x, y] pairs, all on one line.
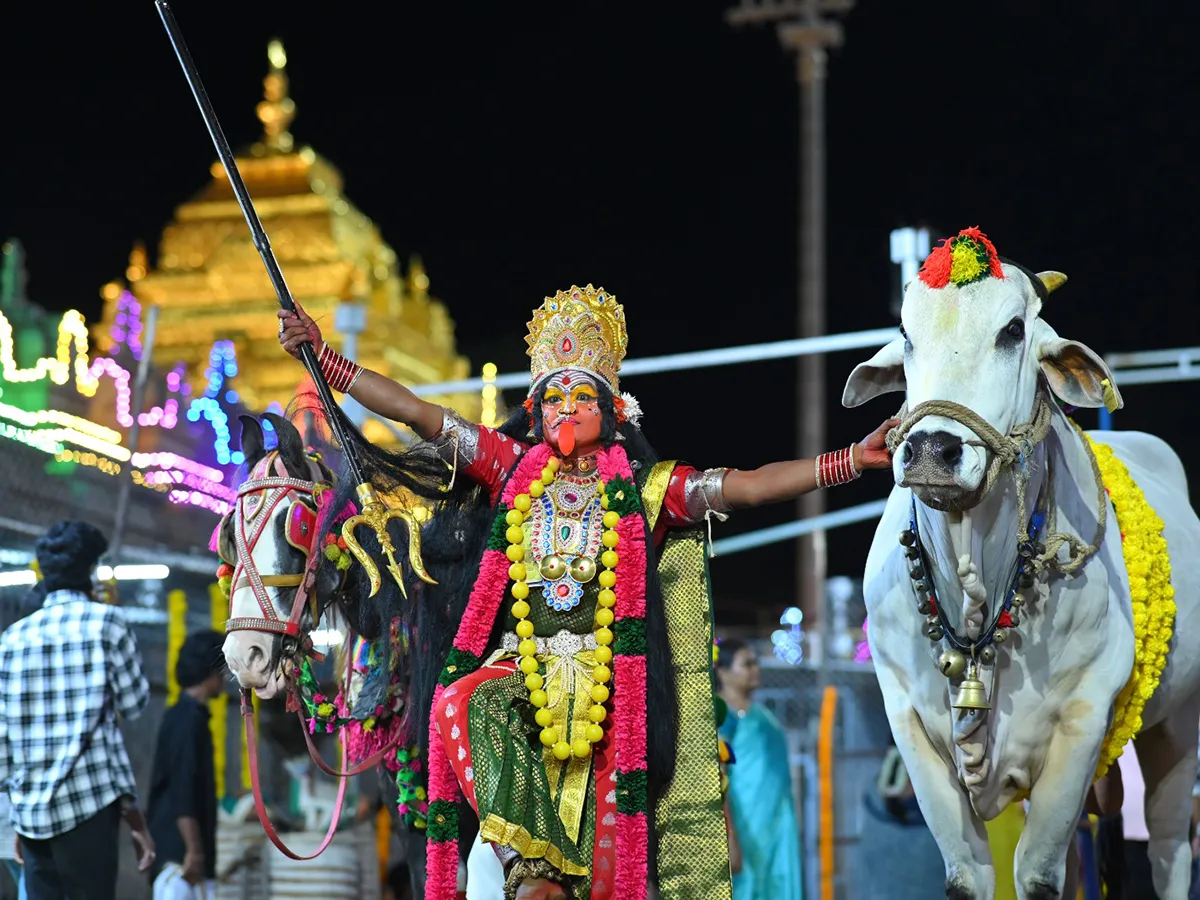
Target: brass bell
{"points": [[908, 537], [924, 607], [917, 572], [952, 663], [972, 695], [987, 655]]}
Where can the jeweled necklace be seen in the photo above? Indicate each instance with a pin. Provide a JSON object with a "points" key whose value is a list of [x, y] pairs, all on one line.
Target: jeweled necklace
{"points": [[565, 534], [1005, 616], [527, 648]]}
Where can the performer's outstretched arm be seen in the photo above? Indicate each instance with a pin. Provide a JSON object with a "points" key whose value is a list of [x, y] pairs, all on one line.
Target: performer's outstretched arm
{"points": [[780, 481], [375, 392]]}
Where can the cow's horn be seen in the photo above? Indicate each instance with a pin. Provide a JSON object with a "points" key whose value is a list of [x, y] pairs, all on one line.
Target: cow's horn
{"points": [[1052, 280]]}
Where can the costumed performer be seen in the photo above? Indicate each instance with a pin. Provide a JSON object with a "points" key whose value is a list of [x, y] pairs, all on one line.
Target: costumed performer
{"points": [[574, 706]]}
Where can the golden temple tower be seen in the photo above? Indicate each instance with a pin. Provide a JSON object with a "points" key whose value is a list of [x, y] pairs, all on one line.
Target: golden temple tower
{"points": [[211, 284]]}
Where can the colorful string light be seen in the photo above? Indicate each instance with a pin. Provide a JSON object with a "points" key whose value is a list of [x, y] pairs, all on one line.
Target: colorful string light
{"points": [[185, 481], [222, 364], [127, 326]]}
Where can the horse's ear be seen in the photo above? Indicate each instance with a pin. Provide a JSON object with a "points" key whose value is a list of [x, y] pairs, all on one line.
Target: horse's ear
{"points": [[290, 447], [253, 447]]}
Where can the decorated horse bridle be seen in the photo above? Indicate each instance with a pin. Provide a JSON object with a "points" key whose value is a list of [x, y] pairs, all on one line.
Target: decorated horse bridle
{"points": [[257, 499]]}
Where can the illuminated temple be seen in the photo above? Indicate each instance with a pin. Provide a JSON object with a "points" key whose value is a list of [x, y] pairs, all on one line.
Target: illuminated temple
{"points": [[67, 390], [212, 288]]}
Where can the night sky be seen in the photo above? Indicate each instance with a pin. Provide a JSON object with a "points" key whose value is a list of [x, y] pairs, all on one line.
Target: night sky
{"points": [[520, 148]]}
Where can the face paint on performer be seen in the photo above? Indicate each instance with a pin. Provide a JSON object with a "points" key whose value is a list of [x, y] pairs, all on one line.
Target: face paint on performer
{"points": [[571, 414]]}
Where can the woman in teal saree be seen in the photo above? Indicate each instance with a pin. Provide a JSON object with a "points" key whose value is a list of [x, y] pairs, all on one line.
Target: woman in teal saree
{"points": [[760, 784]]}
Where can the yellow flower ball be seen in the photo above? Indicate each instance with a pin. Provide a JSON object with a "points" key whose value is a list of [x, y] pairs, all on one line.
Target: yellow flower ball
{"points": [[595, 733], [604, 636], [562, 750], [599, 693], [325, 710], [520, 591], [517, 572], [601, 674], [581, 749], [547, 475], [525, 629], [536, 489], [604, 655], [609, 559], [520, 609], [611, 519], [527, 647], [610, 539], [515, 534], [538, 698], [528, 665], [604, 616], [515, 553], [606, 598], [514, 517], [522, 502], [597, 713], [607, 578], [533, 683], [544, 717], [553, 463], [549, 736]]}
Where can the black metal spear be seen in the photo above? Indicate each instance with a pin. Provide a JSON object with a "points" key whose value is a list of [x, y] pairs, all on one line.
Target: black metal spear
{"points": [[374, 512]]}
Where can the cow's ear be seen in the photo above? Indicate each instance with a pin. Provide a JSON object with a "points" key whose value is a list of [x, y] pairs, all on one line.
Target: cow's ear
{"points": [[1076, 374], [883, 373]]}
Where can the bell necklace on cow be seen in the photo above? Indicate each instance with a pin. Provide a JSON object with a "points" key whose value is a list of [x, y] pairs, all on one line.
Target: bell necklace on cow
{"points": [[965, 654]]}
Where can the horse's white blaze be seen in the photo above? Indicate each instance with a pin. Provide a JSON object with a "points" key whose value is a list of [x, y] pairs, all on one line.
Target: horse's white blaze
{"points": [[1053, 686], [249, 654]]}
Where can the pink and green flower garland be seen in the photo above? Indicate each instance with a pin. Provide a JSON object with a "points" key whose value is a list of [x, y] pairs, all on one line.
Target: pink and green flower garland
{"points": [[629, 678]]}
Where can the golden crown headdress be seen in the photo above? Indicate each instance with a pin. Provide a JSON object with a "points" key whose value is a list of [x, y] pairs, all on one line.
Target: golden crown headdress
{"points": [[579, 328]]}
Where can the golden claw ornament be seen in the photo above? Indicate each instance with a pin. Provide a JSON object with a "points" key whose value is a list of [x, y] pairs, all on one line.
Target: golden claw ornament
{"points": [[375, 514]]}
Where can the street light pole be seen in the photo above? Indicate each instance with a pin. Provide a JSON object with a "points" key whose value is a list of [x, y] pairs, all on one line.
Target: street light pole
{"points": [[803, 31]]}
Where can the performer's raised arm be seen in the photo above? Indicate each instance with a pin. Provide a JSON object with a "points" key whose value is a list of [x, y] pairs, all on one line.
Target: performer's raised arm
{"points": [[375, 392], [780, 481]]}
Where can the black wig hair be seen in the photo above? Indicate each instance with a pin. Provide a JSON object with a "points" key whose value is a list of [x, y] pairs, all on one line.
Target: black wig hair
{"points": [[67, 555]]}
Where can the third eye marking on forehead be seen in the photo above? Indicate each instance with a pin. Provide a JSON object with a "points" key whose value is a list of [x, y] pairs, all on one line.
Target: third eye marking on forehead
{"points": [[565, 381]]}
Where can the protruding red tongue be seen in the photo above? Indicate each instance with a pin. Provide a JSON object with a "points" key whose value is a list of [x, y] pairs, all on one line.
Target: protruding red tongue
{"points": [[566, 438]]}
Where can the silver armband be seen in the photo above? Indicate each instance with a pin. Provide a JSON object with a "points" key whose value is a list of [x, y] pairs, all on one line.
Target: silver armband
{"points": [[703, 493], [458, 436]]}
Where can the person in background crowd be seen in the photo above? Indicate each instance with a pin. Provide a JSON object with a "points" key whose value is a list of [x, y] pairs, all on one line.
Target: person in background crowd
{"points": [[1194, 893], [183, 786], [8, 846], [760, 784], [66, 672]]}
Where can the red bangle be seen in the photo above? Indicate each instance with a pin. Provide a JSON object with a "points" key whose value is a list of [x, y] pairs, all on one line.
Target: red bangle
{"points": [[836, 468], [340, 372]]}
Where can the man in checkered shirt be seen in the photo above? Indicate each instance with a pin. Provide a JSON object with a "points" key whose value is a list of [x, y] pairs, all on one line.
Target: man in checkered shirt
{"points": [[66, 673]]}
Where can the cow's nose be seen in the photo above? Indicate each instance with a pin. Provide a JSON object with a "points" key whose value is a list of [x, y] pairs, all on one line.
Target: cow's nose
{"points": [[932, 449]]}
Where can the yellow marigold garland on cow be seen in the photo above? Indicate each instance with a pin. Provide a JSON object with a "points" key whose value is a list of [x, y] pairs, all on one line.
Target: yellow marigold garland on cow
{"points": [[1148, 564]]}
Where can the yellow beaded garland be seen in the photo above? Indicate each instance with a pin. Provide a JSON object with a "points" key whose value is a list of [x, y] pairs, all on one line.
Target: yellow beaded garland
{"points": [[518, 572]]}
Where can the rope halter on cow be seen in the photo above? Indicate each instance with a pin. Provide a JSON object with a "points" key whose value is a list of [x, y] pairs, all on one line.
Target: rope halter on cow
{"points": [[1014, 451]]}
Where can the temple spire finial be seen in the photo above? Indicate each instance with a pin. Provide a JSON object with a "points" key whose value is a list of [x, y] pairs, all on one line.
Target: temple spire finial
{"points": [[276, 111]]}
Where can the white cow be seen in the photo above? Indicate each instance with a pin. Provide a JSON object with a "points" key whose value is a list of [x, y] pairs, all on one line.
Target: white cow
{"points": [[1052, 684]]}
